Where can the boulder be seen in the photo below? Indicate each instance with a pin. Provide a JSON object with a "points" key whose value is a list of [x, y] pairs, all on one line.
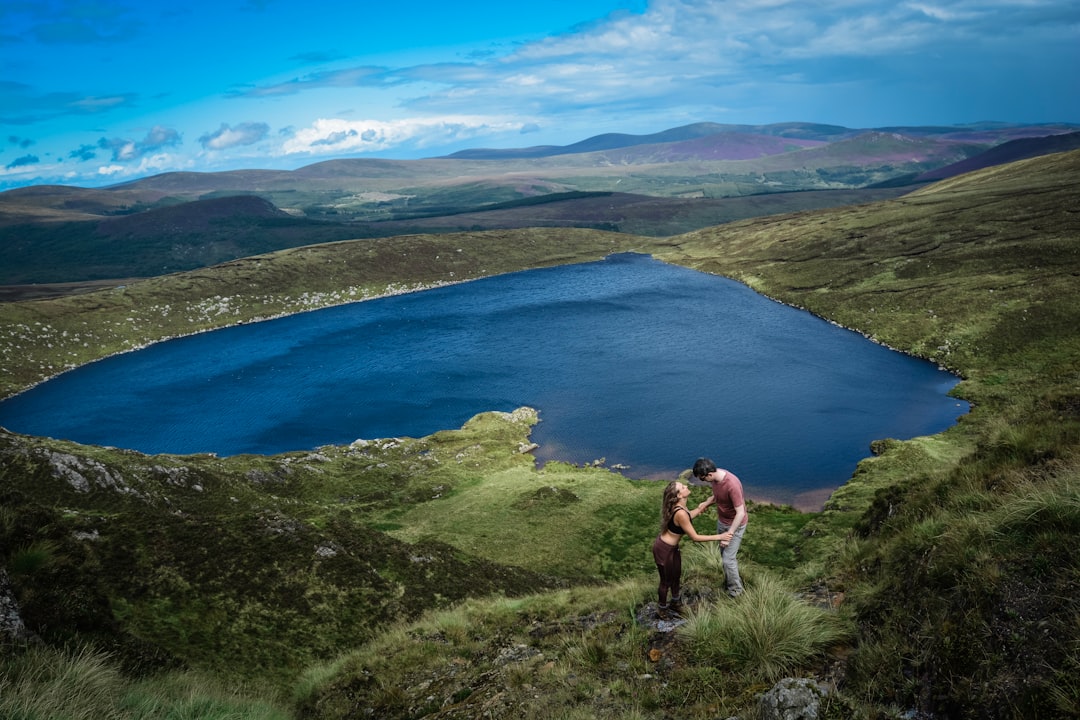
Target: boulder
{"points": [[793, 699]]}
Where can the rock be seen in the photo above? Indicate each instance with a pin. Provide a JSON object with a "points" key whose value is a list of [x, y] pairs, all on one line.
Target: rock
{"points": [[84, 474], [792, 699], [516, 653], [12, 628]]}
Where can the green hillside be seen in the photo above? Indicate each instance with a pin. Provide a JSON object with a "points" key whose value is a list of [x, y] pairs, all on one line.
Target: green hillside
{"points": [[448, 577]]}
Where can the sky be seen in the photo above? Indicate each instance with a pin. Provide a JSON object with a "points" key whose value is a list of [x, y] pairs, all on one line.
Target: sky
{"points": [[99, 92]]}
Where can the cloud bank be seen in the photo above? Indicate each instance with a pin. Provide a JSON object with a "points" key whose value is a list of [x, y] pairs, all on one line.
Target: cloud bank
{"points": [[859, 63]]}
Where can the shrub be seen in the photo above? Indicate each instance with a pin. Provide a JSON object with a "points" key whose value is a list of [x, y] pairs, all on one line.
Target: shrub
{"points": [[765, 633]]}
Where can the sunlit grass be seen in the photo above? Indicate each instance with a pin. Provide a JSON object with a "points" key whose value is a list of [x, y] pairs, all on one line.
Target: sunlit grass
{"points": [[766, 633], [544, 521]]}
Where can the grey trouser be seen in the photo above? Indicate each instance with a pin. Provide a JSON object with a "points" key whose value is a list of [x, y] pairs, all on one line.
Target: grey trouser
{"points": [[730, 558]]}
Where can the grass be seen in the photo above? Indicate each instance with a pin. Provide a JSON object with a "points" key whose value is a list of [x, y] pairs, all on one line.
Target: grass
{"points": [[765, 634], [82, 684], [447, 575], [572, 653], [45, 684], [989, 587], [510, 517]]}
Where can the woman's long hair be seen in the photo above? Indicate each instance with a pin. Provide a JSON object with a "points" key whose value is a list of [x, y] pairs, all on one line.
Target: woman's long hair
{"points": [[667, 509]]}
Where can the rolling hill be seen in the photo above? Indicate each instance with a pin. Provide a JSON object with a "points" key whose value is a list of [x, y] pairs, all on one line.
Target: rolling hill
{"points": [[660, 184], [1007, 152]]}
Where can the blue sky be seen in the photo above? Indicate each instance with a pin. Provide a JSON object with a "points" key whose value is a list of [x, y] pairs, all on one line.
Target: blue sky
{"points": [[97, 92]]}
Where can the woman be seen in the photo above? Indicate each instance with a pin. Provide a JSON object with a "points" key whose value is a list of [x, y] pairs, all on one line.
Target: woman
{"points": [[674, 523]]}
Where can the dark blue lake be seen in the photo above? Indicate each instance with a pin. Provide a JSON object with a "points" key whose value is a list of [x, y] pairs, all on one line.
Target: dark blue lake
{"points": [[641, 363]]}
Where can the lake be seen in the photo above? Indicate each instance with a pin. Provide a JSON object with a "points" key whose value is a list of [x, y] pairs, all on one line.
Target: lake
{"points": [[644, 364]]}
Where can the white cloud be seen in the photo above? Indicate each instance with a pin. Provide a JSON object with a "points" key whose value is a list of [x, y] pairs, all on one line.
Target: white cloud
{"points": [[336, 135], [853, 62], [687, 60], [156, 138], [147, 165], [362, 76], [246, 133]]}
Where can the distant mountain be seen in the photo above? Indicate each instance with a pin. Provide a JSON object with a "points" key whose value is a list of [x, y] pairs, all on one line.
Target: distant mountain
{"points": [[44, 203], [193, 217], [773, 158], [978, 133], [663, 183], [1010, 151], [717, 146], [863, 150], [613, 141]]}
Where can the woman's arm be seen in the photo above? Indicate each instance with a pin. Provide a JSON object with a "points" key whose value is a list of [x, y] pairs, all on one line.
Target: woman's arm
{"points": [[683, 521]]}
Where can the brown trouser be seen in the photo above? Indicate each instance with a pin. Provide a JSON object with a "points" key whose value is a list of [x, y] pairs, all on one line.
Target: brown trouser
{"points": [[669, 565]]}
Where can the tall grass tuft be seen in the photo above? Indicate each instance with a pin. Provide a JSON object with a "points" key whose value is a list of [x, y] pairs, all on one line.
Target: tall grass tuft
{"points": [[32, 558], [705, 558], [195, 697], [1055, 506], [43, 684], [314, 678], [47, 684], [764, 634]]}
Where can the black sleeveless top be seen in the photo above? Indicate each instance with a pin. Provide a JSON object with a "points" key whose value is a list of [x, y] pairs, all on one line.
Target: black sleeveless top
{"points": [[672, 526]]}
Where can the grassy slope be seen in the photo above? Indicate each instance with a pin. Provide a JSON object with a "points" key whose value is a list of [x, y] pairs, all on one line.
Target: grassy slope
{"points": [[965, 568], [957, 553]]}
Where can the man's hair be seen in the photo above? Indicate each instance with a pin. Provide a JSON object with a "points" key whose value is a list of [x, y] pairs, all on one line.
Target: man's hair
{"points": [[703, 467]]}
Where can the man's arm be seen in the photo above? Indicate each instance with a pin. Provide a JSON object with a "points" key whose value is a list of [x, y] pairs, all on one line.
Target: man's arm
{"points": [[740, 513]]}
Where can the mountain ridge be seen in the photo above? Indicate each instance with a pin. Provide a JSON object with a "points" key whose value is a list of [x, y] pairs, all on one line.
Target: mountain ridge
{"points": [[984, 134], [670, 182]]}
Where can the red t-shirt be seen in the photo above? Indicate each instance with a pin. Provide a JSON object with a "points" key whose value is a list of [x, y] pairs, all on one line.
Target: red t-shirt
{"points": [[728, 494]]}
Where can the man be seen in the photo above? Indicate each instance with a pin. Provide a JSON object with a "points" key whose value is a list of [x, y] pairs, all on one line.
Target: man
{"points": [[727, 494]]}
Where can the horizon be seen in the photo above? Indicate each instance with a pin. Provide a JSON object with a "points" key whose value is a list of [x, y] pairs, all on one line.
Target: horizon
{"points": [[100, 94]]}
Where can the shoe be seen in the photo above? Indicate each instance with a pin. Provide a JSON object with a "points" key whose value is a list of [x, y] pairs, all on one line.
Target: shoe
{"points": [[676, 607], [663, 612]]}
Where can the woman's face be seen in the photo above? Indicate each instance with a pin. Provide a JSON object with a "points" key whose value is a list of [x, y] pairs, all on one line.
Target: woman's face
{"points": [[683, 490]]}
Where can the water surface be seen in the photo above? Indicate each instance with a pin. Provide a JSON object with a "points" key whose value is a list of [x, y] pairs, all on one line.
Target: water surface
{"points": [[641, 363]]}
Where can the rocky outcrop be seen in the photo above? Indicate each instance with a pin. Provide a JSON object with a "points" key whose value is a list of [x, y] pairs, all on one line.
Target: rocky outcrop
{"points": [[84, 474]]}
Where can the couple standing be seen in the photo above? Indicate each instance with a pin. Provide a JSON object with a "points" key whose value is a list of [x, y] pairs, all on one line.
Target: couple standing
{"points": [[675, 517]]}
